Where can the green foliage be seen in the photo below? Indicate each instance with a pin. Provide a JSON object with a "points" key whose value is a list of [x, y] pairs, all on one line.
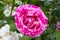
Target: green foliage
{"points": [[25, 38], [53, 7]]}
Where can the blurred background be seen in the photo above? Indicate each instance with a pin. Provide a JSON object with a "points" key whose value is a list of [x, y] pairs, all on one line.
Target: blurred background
{"points": [[51, 9]]}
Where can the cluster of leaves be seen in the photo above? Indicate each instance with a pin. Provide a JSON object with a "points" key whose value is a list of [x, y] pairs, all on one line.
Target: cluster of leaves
{"points": [[51, 9]]}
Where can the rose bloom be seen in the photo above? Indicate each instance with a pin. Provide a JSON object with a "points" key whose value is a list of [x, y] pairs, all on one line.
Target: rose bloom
{"points": [[58, 25], [30, 20], [6, 34]]}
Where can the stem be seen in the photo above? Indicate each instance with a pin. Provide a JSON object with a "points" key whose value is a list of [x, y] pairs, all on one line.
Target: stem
{"points": [[50, 17], [9, 18], [12, 7]]}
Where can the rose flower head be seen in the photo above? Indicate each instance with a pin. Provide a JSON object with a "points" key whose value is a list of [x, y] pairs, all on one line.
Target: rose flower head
{"points": [[30, 20], [58, 25]]}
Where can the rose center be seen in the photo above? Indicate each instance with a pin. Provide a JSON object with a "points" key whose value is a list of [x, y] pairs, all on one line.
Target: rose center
{"points": [[30, 21]]}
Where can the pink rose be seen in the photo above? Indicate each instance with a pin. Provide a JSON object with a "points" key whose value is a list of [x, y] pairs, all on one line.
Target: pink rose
{"points": [[30, 20], [58, 25]]}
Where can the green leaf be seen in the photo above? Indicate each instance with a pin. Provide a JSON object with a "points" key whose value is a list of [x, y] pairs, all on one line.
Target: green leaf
{"points": [[57, 34], [13, 27], [25, 38]]}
